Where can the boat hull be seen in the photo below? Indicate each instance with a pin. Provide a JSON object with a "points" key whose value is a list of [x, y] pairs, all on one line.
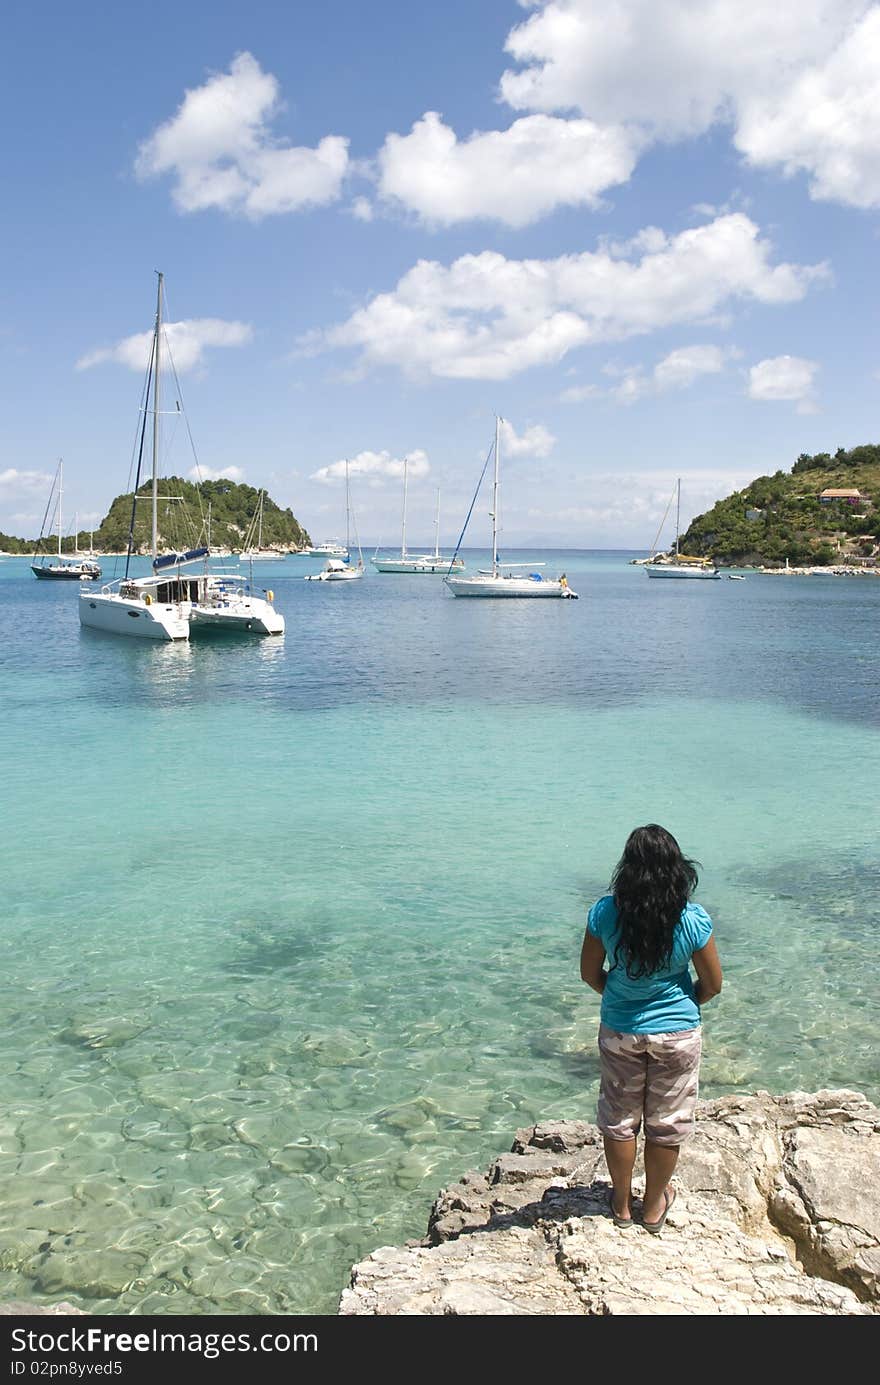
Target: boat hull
{"points": [[348, 576], [257, 618], [63, 574], [132, 617], [689, 573], [510, 587], [439, 566]]}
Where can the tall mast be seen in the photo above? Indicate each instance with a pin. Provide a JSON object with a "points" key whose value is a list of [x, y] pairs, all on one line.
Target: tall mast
{"points": [[156, 378], [403, 527], [347, 507], [677, 514], [437, 528], [495, 498], [260, 530], [60, 493]]}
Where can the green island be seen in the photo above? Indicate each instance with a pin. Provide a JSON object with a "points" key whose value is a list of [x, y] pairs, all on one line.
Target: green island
{"points": [[189, 514], [821, 513]]}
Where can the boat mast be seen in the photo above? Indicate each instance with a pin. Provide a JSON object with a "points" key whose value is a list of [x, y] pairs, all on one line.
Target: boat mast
{"points": [[347, 507], [403, 527], [155, 506], [437, 529], [260, 529], [60, 493], [677, 514], [495, 498]]}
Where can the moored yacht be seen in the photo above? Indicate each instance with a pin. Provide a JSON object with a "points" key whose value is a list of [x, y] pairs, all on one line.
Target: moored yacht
{"points": [[341, 569], [155, 607], [675, 564], [331, 548], [63, 567], [417, 562], [501, 580], [173, 599]]}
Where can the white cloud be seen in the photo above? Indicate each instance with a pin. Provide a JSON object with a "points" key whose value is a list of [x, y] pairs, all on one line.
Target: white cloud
{"points": [[515, 175], [681, 368], [536, 441], [797, 83], [221, 152], [487, 317], [826, 123], [576, 394], [362, 209], [187, 341], [205, 473], [375, 468], [784, 378], [14, 483]]}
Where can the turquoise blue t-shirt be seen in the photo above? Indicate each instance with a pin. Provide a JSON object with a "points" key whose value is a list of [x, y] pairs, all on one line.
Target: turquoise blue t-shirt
{"points": [[664, 1001]]}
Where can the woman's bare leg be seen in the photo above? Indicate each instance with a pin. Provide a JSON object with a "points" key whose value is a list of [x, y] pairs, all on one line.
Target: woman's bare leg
{"points": [[660, 1162], [620, 1156]]}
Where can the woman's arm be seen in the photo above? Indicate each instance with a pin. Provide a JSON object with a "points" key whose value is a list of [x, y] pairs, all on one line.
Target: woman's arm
{"points": [[708, 969], [593, 963]]}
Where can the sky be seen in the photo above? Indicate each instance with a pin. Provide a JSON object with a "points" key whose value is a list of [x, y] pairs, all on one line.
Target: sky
{"points": [[643, 233]]}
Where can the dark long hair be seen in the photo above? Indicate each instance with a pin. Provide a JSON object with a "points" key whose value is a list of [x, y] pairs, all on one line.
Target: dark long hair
{"points": [[652, 883]]}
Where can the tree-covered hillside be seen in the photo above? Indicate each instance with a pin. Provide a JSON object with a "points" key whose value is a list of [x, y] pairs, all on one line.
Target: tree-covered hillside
{"points": [[781, 516], [183, 520]]}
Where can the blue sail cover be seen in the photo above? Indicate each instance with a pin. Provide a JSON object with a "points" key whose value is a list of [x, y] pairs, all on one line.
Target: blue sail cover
{"points": [[175, 559]]}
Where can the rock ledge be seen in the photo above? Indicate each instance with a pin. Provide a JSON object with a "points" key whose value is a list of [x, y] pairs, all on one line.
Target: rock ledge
{"points": [[776, 1213]]}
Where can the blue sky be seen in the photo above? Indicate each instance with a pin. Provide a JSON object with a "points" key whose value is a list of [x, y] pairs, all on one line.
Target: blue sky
{"points": [[642, 232]]}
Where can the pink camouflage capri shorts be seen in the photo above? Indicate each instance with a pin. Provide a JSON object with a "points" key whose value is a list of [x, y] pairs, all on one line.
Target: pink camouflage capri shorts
{"points": [[654, 1076]]}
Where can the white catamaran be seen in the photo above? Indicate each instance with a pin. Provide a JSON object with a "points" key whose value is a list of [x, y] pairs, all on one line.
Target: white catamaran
{"points": [[421, 562], [164, 605], [501, 580], [678, 564]]}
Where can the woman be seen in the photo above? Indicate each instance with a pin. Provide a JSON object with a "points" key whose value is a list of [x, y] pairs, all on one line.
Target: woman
{"points": [[649, 933]]}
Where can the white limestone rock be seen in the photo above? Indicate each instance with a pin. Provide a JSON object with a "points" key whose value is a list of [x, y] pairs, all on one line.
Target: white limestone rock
{"points": [[775, 1214]]}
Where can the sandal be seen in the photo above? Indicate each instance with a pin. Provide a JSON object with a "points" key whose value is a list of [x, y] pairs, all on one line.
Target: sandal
{"points": [[654, 1226], [623, 1222]]}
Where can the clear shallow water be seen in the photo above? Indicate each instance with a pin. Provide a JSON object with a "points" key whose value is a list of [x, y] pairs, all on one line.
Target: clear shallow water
{"points": [[291, 928]]}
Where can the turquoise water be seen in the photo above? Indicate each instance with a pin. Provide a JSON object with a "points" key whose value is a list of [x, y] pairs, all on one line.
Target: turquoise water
{"points": [[291, 927]]}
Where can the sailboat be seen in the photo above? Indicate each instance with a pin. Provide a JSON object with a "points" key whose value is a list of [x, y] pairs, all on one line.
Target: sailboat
{"points": [[254, 553], [500, 579], [214, 551], [678, 564], [60, 567], [157, 607], [163, 605], [423, 562], [341, 569]]}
